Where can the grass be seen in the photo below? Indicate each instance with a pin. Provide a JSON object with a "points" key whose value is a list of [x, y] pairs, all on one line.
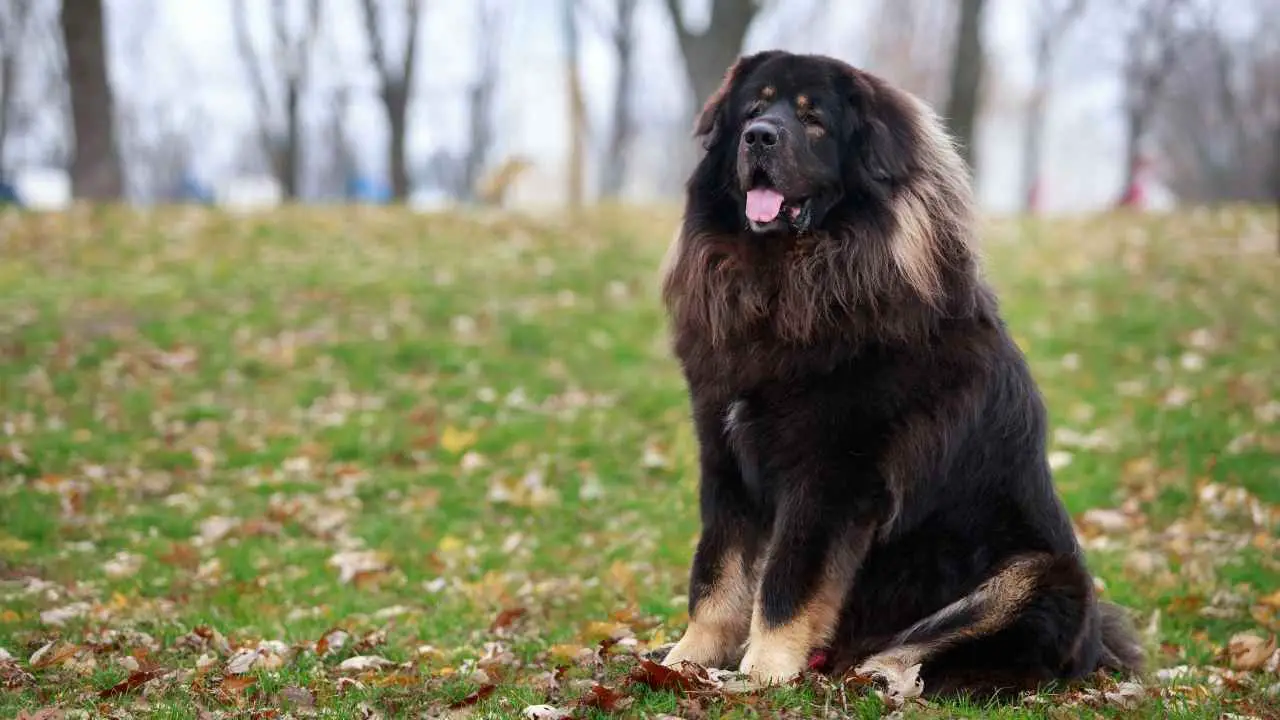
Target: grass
{"points": [[461, 445]]}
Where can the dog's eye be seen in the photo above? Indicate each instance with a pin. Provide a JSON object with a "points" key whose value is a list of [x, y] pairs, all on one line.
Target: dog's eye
{"points": [[754, 111], [811, 120]]}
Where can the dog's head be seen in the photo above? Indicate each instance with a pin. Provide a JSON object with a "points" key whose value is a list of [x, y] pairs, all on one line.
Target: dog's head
{"points": [[789, 137]]}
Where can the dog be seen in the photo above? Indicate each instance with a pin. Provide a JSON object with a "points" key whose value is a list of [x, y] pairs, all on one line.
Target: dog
{"points": [[873, 481]]}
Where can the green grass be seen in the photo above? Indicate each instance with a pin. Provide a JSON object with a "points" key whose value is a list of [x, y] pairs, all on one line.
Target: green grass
{"points": [[199, 411]]}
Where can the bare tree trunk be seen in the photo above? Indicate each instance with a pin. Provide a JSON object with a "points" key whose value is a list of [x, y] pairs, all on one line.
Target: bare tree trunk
{"points": [[577, 108], [707, 55], [396, 88], [1033, 150], [480, 101], [95, 165], [966, 79], [8, 73], [397, 104], [1052, 23], [292, 152], [621, 130]]}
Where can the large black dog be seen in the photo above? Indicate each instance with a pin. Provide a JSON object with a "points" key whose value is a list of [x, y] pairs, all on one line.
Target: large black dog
{"points": [[874, 481]]}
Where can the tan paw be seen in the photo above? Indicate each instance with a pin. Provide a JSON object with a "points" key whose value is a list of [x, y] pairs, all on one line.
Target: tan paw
{"points": [[701, 647], [899, 676], [772, 664]]}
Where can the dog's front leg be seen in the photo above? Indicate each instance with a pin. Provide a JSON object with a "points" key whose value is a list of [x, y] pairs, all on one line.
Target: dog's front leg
{"points": [[722, 577], [807, 571]]}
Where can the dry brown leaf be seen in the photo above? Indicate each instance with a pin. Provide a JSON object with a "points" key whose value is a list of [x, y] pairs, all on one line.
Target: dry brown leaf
{"points": [[361, 663], [483, 692], [1248, 651], [545, 712], [298, 697], [506, 618], [131, 683], [604, 698]]}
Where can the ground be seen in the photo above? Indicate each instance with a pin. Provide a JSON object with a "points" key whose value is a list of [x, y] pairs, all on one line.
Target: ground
{"points": [[361, 462]]}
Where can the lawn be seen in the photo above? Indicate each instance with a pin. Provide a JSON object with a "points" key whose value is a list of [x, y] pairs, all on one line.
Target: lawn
{"points": [[367, 463]]}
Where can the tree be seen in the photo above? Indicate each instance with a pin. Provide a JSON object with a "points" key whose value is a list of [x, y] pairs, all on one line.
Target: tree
{"points": [[290, 71], [480, 95], [1150, 53], [577, 107], [1220, 108], [15, 25], [621, 35], [395, 84], [904, 46], [1051, 19], [95, 164], [966, 78], [708, 53]]}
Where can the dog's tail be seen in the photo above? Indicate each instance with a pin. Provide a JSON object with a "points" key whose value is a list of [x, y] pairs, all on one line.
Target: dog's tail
{"points": [[1122, 649]]}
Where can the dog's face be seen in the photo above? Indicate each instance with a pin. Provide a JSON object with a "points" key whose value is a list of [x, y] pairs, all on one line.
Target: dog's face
{"points": [[791, 136]]}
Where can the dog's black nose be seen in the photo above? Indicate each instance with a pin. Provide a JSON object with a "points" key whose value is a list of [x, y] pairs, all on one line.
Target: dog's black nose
{"points": [[761, 133]]}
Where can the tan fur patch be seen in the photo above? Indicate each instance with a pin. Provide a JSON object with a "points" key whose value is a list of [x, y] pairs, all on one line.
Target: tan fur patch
{"points": [[996, 603], [777, 653], [768, 92], [720, 622], [802, 102]]}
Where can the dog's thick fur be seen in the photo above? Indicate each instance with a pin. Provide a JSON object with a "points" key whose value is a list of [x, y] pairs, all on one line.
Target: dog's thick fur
{"points": [[873, 464]]}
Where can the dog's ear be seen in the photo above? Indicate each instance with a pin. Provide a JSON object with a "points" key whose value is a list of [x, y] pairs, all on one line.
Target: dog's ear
{"points": [[880, 142], [713, 118]]}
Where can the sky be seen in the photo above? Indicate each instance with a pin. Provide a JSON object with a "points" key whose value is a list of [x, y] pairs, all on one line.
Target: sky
{"points": [[166, 49]]}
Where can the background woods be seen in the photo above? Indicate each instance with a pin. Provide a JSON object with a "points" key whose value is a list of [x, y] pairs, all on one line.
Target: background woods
{"points": [[1159, 100], [266, 451]]}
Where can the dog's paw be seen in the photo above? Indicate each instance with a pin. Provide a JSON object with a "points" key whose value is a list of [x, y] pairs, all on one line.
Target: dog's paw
{"points": [[699, 647], [771, 665], [899, 678]]}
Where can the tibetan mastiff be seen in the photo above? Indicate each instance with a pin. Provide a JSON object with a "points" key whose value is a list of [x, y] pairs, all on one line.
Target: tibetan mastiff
{"points": [[874, 490]]}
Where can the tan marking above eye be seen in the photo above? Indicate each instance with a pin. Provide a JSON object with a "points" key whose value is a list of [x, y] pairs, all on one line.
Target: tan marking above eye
{"points": [[768, 92], [802, 101]]}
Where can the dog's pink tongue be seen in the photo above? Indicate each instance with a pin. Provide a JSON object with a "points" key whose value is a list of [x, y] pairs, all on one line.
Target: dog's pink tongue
{"points": [[764, 204]]}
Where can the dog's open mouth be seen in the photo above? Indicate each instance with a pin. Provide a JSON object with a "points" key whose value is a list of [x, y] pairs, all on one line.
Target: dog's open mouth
{"points": [[766, 205]]}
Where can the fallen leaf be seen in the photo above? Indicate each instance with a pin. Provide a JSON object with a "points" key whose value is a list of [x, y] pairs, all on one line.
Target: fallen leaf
{"points": [[604, 698], [131, 683], [354, 563], [483, 692], [1248, 651], [233, 687], [545, 712], [361, 663], [60, 616], [506, 618], [53, 653], [454, 441], [688, 676], [243, 661], [332, 641], [298, 697], [42, 714]]}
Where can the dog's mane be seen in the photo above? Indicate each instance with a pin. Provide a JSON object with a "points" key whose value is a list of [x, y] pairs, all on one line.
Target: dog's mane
{"points": [[889, 267]]}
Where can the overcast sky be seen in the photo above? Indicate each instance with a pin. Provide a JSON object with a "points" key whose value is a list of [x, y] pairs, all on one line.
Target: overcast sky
{"points": [[162, 49]]}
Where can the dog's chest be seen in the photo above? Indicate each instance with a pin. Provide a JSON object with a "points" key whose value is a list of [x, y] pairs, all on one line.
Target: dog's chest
{"points": [[741, 433]]}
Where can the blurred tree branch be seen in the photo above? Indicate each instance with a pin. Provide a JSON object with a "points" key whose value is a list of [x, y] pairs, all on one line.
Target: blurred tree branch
{"points": [[1151, 50], [967, 67], [1052, 21], [291, 67], [15, 24], [709, 53], [395, 85], [620, 33]]}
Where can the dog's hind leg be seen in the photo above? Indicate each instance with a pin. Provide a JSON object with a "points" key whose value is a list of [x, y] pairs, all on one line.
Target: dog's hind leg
{"points": [[1046, 599]]}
